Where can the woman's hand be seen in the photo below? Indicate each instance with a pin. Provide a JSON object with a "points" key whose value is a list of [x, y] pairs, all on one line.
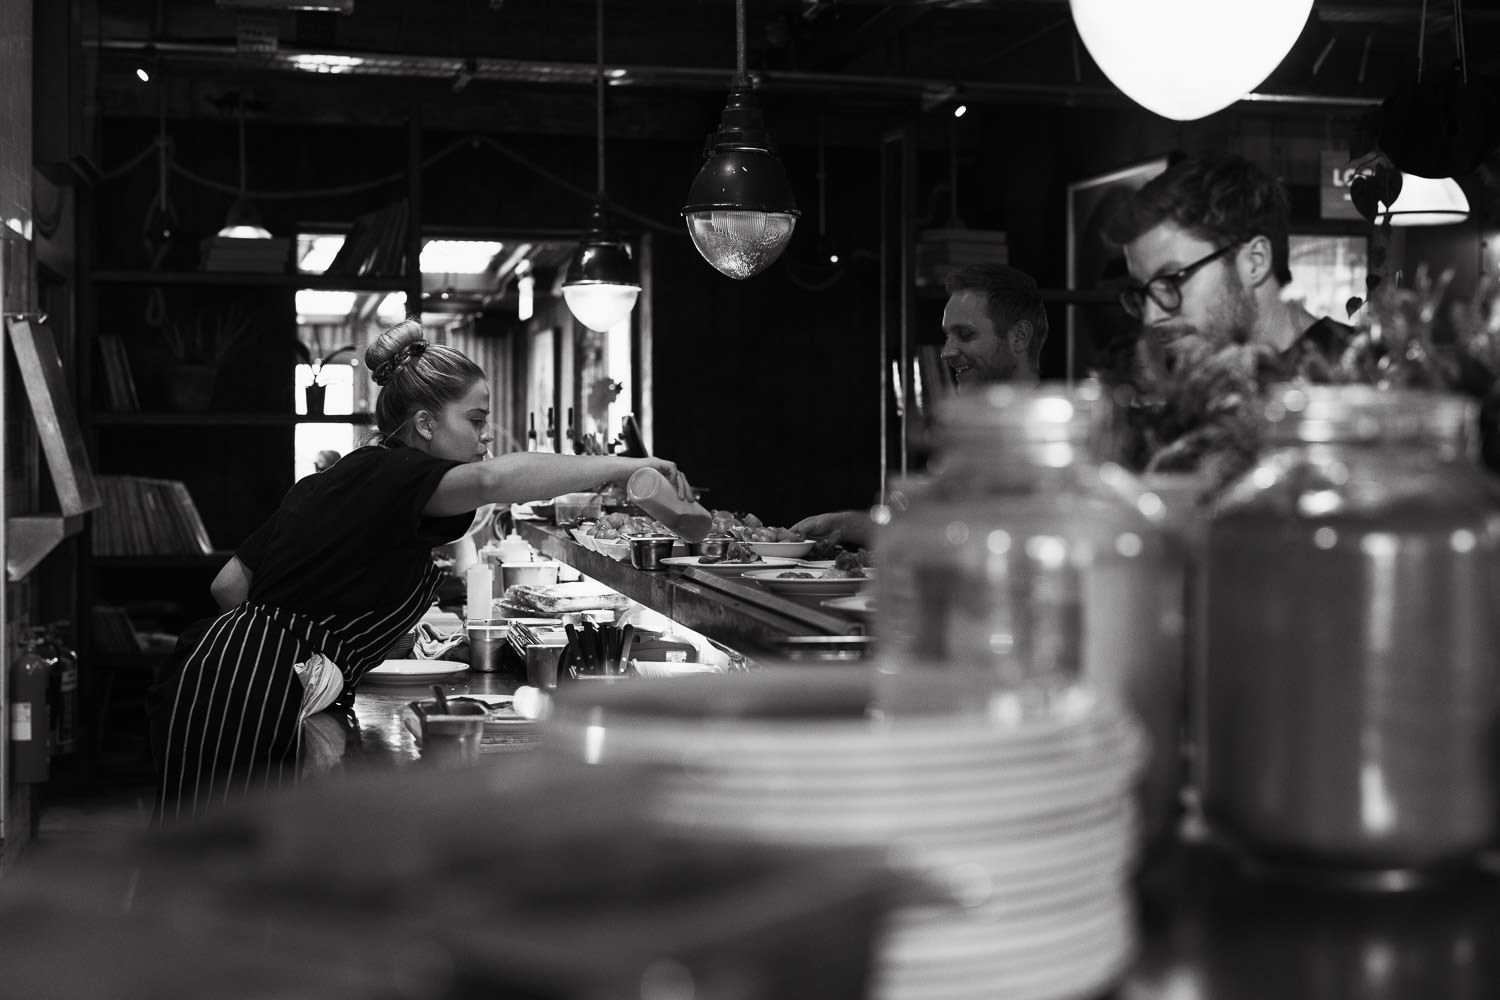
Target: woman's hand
{"points": [[674, 475]]}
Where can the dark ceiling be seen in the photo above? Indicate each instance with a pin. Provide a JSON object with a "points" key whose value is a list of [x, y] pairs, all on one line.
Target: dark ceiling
{"points": [[529, 65]]}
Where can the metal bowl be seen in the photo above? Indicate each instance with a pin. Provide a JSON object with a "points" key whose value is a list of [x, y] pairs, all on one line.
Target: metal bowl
{"points": [[648, 551], [713, 546]]}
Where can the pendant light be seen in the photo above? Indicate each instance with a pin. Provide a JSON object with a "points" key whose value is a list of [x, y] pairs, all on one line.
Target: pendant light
{"points": [[602, 281], [740, 209], [1425, 201], [243, 222], [1186, 59]]}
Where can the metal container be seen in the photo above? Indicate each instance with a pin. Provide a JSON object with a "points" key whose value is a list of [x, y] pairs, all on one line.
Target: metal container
{"points": [[1348, 705], [486, 642], [648, 551], [712, 547], [453, 737]]}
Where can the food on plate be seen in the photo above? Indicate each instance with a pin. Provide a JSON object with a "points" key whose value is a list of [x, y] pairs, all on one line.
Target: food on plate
{"points": [[749, 528], [734, 552], [627, 526], [798, 574], [847, 565]]}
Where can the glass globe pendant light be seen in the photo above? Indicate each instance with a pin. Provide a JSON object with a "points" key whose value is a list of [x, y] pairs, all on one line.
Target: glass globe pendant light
{"points": [[1185, 59], [740, 209], [1425, 201], [602, 281]]}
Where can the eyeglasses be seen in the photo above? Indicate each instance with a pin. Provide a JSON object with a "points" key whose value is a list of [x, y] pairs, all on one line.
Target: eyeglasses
{"points": [[1166, 289]]}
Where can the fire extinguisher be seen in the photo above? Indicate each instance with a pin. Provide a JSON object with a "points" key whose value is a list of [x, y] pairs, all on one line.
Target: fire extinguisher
{"points": [[30, 728], [63, 690]]}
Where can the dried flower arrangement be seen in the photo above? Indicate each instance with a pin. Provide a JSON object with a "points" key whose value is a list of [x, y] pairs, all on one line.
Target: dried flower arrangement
{"points": [[1191, 407]]}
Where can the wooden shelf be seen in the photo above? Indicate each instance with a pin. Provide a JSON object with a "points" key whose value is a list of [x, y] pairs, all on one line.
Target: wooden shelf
{"points": [[272, 279], [224, 419]]}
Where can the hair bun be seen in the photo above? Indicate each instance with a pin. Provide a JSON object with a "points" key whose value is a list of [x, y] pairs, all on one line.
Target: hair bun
{"points": [[388, 369]]}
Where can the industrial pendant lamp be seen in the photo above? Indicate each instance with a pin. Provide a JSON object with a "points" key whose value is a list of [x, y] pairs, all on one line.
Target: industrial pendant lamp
{"points": [[740, 210], [602, 282], [1186, 59], [244, 218], [1425, 201]]}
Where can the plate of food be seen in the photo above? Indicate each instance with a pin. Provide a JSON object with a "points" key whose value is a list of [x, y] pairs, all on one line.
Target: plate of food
{"points": [[728, 567], [413, 671], [787, 550], [800, 581]]}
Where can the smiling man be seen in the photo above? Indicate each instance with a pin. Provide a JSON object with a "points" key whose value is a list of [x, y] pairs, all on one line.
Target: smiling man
{"points": [[994, 325], [1206, 245]]}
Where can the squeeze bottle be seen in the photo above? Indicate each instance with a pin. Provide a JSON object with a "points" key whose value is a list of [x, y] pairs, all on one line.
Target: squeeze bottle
{"points": [[653, 492]]}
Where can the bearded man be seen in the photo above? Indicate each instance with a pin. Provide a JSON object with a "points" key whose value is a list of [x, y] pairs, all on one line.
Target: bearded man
{"points": [[1206, 245]]}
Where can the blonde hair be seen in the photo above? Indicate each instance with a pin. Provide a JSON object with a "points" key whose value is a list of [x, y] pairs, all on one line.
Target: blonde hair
{"points": [[414, 374]]}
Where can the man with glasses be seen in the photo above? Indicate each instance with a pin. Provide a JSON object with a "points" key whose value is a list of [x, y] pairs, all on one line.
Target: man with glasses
{"points": [[1206, 246]]}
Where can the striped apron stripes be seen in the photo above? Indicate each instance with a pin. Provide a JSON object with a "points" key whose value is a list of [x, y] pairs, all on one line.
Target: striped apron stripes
{"points": [[234, 726]]}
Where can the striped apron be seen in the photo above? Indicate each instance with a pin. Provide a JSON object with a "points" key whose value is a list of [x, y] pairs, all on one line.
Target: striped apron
{"points": [[236, 722]]}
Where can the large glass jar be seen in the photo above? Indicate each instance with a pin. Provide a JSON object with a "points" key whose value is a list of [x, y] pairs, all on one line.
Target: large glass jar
{"points": [[1349, 699], [1029, 565]]}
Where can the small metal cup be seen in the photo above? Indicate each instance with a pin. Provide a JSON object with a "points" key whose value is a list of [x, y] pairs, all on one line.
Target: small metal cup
{"points": [[486, 641], [648, 551], [713, 546], [453, 738]]}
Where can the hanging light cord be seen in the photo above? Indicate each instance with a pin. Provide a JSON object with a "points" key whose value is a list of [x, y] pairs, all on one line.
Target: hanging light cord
{"points": [[1421, 39], [599, 88], [242, 149], [1458, 38], [740, 79]]}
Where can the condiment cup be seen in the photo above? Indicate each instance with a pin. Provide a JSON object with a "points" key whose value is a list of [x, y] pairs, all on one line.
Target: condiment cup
{"points": [[648, 551]]}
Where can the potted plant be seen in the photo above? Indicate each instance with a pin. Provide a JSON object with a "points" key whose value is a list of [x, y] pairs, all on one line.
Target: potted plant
{"points": [[315, 358], [198, 348]]}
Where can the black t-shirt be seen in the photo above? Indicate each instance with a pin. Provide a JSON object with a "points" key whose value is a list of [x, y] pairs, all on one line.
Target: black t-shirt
{"points": [[353, 538]]}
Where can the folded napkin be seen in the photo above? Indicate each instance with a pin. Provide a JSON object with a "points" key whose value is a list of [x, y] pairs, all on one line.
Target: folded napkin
{"points": [[432, 644]]}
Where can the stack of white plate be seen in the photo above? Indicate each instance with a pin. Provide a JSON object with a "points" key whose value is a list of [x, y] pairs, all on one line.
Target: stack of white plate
{"points": [[1026, 823]]}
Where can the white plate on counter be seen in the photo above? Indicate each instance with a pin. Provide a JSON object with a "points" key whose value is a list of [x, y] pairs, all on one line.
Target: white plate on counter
{"points": [[858, 605], [728, 568], [413, 671], [778, 581]]}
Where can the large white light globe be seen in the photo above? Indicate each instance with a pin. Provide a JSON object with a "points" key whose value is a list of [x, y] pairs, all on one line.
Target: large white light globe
{"points": [[1185, 59]]}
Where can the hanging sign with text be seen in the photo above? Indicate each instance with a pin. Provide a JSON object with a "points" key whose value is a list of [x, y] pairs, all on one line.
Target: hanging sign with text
{"points": [[1333, 186]]}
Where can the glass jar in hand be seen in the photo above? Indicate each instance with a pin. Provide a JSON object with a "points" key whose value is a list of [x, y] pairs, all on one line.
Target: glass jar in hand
{"points": [[1030, 565], [1349, 699]]}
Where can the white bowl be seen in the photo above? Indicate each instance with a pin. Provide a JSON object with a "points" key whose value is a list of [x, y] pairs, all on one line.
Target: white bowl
{"points": [[787, 550], [617, 549]]}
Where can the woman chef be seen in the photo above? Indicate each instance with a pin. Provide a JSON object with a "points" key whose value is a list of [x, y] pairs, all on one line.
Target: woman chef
{"points": [[343, 568]]}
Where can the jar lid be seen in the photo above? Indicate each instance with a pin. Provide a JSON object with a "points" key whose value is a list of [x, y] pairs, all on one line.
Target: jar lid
{"points": [[1322, 414], [1048, 412]]}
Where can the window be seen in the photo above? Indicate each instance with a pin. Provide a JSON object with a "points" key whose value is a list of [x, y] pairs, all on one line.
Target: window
{"points": [[1327, 271]]}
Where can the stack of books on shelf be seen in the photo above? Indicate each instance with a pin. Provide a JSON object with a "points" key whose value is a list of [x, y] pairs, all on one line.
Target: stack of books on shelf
{"points": [[119, 383], [941, 250], [148, 517], [376, 244], [234, 253]]}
